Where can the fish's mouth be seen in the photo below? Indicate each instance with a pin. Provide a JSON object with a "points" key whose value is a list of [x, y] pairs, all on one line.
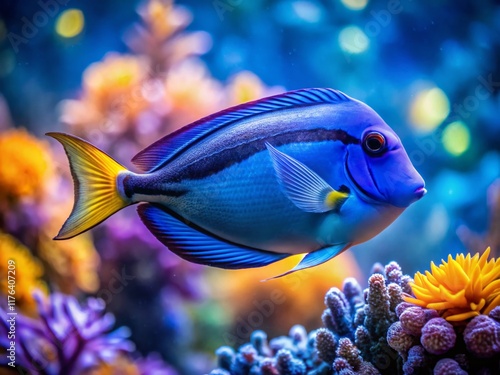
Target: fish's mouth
{"points": [[420, 192], [365, 195]]}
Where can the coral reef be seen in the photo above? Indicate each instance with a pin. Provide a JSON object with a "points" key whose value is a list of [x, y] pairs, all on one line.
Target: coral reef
{"points": [[476, 348], [374, 331], [69, 338], [353, 342]]}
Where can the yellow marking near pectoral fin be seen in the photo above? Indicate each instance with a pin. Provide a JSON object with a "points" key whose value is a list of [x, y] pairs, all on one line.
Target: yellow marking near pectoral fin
{"points": [[335, 199], [94, 175]]}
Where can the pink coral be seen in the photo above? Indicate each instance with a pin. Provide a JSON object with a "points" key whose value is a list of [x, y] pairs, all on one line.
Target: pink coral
{"points": [[438, 336]]}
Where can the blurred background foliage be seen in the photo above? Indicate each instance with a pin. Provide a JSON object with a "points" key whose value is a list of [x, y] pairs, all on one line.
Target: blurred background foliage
{"points": [[124, 73]]}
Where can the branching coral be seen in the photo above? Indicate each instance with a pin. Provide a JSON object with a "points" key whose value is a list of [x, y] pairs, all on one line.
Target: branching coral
{"points": [[460, 288], [353, 342]]}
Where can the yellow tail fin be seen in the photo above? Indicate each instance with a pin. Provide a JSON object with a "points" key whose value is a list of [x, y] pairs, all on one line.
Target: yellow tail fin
{"points": [[94, 176]]}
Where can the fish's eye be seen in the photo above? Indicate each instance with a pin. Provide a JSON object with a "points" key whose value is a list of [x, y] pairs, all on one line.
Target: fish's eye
{"points": [[374, 143]]}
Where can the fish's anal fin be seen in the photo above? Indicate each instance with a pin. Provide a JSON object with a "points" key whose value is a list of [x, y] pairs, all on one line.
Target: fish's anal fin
{"points": [[304, 187], [196, 246], [316, 258]]}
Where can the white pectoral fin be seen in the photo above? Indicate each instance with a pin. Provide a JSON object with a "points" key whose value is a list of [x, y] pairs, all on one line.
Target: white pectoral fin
{"points": [[302, 186], [316, 258]]}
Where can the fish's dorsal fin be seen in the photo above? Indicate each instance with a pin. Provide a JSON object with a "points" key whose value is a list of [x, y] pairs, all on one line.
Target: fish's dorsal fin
{"points": [[169, 147]]}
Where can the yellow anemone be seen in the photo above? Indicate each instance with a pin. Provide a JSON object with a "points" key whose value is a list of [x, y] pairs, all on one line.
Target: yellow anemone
{"points": [[459, 289]]}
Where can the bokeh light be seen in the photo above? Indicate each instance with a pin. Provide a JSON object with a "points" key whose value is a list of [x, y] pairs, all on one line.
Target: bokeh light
{"points": [[307, 11], [429, 109], [353, 40], [355, 4], [456, 138], [70, 23]]}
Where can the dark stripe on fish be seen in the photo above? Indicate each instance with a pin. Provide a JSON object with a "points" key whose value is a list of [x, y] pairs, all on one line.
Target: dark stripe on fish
{"points": [[131, 187], [219, 161]]}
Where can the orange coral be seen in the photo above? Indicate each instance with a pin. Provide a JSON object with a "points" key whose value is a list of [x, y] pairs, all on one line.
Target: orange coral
{"points": [[73, 264], [26, 273], [120, 366], [163, 18], [461, 288], [191, 92], [113, 94], [25, 166]]}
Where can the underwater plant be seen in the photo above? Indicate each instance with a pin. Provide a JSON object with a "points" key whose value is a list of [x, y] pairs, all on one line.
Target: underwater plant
{"points": [[374, 331]]}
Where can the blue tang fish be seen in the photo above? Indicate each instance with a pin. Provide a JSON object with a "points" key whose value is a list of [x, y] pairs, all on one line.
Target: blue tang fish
{"points": [[310, 171]]}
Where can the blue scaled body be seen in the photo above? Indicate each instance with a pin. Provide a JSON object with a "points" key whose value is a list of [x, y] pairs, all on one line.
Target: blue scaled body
{"points": [[312, 171]]}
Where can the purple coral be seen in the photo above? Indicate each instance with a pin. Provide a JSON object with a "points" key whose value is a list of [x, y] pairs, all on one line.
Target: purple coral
{"points": [[350, 352], [414, 318], [325, 345], [399, 340], [287, 365], [337, 317], [353, 292], [393, 273], [438, 336], [495, 314], [416, 360], [68, 338], [395, 295], [447, 366], [377, 310], [482, 336]]}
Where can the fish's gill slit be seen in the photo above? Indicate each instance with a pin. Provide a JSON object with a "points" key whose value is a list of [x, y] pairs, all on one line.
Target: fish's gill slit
{"points": [[357, 187], [370, 172]]}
